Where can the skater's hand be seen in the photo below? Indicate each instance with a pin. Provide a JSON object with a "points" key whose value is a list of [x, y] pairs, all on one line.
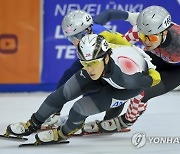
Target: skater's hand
{"points": [[155, 76], [132, 18]]}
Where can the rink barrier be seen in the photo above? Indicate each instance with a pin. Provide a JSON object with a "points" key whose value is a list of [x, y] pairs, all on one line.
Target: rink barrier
{"points": [[27, 87]]}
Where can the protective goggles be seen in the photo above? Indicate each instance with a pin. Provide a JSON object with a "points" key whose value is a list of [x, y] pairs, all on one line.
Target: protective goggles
{"points": [[91, 63], [78, 36], [151, 38]]}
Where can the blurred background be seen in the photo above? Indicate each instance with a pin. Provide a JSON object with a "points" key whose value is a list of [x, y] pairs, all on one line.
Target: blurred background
{"points": [[33, 50]]}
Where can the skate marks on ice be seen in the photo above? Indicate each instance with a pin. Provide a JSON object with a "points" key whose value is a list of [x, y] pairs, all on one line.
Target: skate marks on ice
{"points": [[161, 119]]}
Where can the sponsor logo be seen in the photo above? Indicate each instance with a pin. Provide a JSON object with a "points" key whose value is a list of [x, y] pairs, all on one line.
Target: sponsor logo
{"points": [[65, 52], [140, 139], [87, 55], [8, 43], [116, 103], [81, 74]]}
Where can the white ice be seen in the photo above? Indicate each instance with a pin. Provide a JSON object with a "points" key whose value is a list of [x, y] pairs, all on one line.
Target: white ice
{"points": [[162, 119]]}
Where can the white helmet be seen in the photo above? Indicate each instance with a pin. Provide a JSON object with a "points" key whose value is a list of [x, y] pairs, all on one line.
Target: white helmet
{"points": [[153, 20], [76, 22], [92, 47]]}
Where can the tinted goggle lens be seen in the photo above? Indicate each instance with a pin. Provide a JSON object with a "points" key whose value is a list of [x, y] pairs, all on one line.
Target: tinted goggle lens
{"points": [[78, 36], [91, 63], [151, 38]]}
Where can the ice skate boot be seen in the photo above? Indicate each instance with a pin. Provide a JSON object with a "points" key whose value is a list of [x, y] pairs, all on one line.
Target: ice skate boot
{"points": [[54, 121], [50, 136], [106, 126], [23, 129]]}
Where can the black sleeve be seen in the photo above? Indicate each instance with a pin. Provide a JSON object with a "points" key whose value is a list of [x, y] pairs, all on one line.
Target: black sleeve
{"points": [[138, 80], [110, 14]]}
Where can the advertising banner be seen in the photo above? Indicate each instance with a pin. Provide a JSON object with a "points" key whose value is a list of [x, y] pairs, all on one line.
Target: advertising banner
{"points": [[59, 54], [22, 65], [19, 41]]}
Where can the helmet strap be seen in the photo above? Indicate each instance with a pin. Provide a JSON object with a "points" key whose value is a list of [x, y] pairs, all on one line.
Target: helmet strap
{"points": [[105, 65], [163, 37], [162, 40], [89, 30]]}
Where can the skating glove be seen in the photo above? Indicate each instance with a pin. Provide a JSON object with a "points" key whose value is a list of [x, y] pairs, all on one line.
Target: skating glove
{"points": [[155, 76], [132, 18]]}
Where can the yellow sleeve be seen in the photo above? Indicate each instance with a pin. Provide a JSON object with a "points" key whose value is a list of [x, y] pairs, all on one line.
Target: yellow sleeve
{"points": [[115, 38], [156, 77]]}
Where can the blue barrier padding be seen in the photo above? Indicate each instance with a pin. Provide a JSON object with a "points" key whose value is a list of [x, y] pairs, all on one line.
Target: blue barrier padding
{"points": [[27, 87]]}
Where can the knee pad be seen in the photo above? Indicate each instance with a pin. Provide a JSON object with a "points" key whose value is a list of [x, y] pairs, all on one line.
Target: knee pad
{"points": [[75, 117]]}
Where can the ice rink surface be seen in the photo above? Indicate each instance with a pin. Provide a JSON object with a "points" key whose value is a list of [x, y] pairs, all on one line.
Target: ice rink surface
{"points": [[162, 119]]}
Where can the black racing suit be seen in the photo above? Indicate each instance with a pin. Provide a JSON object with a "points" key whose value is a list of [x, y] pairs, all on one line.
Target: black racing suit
{"points": [[114, 85], [100, 19], [167, 59]]}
